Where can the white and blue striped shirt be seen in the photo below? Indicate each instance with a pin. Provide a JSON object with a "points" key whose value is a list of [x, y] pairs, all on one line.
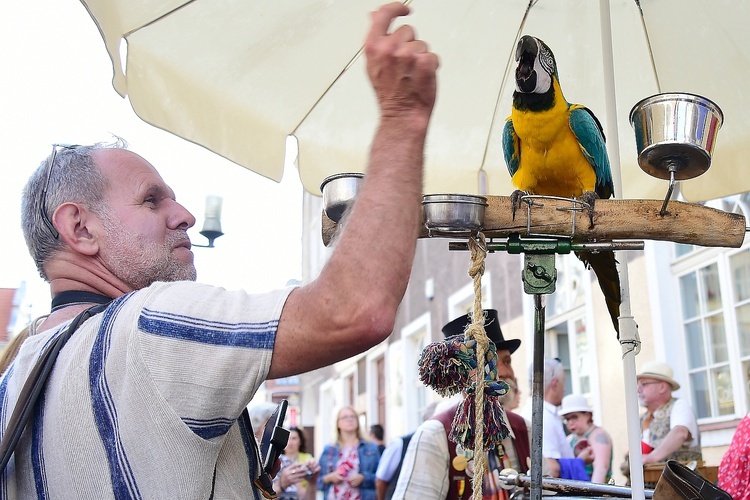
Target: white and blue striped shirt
{"points": [[144, 398]]}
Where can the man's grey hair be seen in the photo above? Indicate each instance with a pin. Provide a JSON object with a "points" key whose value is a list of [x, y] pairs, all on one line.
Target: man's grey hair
{"points": [[74, 178], [553, 370]]}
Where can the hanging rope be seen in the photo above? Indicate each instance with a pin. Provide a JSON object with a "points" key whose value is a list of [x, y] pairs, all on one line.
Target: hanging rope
{"points": [[468, 363], [476, 331]]}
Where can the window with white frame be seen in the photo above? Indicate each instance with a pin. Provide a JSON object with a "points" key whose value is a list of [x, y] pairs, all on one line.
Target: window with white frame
{"points": [[350, 390], [568, 340], [377, 385], [714, 289], [416, 336], [566, 336], [569, 289], [326, 426], [462, 301], [739, 265]]}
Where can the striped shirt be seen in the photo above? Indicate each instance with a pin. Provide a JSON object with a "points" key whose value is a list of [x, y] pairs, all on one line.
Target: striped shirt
{"points": [[144, 399]]}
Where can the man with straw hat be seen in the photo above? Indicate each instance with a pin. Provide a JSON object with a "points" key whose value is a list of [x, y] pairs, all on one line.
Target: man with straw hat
{"points": [[669, 429]]}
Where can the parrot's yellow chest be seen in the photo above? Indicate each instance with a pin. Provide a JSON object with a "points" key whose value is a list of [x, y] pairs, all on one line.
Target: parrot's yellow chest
{"points": [[551, 160]]}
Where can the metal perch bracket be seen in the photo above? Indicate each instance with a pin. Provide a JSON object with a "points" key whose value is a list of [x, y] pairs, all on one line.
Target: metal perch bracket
{"points": [[539, 273], [532, 200], [539, 278]]}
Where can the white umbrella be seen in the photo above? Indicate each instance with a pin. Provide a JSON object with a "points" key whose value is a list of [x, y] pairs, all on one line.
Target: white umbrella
{"points": [[237, 77]]}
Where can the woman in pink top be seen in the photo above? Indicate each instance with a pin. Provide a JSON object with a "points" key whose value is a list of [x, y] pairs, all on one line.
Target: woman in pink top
{"points": [[734, 470]]}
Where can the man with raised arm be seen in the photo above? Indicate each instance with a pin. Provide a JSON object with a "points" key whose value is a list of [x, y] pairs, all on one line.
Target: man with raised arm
{"points": [[145, 399]]}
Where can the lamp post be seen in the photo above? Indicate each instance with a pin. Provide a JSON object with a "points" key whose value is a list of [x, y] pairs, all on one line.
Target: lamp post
{"points": [[212, 222]]}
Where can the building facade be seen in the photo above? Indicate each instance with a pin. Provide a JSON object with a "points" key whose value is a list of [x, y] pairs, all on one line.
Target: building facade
{"points": [[691, 304]]}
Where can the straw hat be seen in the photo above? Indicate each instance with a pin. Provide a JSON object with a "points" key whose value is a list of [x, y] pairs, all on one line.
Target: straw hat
{"points": [[574, 403], [658, 370]]}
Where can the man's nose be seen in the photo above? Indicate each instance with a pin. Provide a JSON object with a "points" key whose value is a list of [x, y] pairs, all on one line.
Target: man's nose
{"points": [[181, 218]]}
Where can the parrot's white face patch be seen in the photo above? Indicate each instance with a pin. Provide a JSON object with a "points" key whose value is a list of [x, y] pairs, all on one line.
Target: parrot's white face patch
{"points": [[543, 79], [544, 66]]}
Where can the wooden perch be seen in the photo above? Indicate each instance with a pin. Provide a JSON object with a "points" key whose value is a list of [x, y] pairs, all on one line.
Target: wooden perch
{"points": [[613, 220]]}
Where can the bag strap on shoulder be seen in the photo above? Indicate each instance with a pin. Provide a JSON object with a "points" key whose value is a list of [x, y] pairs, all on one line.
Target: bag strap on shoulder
{"points": [[34, 386]]}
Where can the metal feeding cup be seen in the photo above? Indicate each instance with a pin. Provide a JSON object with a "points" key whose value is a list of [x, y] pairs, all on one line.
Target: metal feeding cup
{"points": [[339, 191], [453, 213], [675, 134]]}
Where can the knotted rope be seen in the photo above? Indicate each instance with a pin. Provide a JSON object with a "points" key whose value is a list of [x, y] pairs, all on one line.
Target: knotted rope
{"points": [[476, 332], [469, 363]]}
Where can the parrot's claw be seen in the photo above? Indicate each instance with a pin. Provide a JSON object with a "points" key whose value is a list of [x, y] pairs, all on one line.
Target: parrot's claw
{"points": [[590, 197], [516, 199]]}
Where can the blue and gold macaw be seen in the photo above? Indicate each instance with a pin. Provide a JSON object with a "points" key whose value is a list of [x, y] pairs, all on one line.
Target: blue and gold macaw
{"points": [[556, 148]]}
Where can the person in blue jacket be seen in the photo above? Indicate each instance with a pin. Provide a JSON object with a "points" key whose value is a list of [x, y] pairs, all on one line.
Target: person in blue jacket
{"points": [[347, 467]]}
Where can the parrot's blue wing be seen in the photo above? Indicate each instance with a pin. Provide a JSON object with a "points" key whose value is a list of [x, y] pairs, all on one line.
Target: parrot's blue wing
{"points": [[511, 147], [588, 131]]}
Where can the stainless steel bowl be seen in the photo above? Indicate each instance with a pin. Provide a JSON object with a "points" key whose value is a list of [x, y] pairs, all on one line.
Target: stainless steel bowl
{"points": [[675, 131], [339, 191], [454, 213]]}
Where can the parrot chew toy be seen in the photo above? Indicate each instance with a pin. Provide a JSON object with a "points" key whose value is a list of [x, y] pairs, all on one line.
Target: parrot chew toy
{"points": [[453, 365]]}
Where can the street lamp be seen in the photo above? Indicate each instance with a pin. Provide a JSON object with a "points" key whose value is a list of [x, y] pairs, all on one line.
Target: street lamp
{"points": [[212, 222]]}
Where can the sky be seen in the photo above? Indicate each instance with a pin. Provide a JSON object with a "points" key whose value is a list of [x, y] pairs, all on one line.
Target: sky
{"points": [[56, 88]]}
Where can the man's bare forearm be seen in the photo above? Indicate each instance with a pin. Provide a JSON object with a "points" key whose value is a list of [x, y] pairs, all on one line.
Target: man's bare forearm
{"points": [[352, 305]]}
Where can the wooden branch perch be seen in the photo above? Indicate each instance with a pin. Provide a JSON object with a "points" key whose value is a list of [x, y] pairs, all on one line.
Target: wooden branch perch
{"points": [[613, 220]]}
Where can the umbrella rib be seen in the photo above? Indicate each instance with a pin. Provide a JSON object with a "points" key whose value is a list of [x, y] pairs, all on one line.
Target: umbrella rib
{"points": [[338, 77], [648, 43], [157, 19], [330, 85], [504, 83]]}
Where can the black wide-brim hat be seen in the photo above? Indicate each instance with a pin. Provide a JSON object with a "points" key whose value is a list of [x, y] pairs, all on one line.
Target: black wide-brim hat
{"points": [[491, 326]]}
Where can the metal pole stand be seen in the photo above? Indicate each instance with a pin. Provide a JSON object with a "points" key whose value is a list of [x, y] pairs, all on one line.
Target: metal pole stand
{"points": [[539, 277]]}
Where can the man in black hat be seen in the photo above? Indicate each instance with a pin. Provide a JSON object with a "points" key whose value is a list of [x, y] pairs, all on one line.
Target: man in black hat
{"points": [[434, 467]]}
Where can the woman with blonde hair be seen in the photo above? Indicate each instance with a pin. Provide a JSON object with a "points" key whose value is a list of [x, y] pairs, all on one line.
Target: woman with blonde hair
{"points": [[10, 351], [297, 468], [348, 466]]}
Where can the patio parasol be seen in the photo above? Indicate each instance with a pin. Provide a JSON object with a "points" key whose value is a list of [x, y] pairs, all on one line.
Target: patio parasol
{"points": [[239, 77]]}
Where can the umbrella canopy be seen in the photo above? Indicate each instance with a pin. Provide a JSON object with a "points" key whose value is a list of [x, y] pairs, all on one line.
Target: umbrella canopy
{"points": [[238, 77]]}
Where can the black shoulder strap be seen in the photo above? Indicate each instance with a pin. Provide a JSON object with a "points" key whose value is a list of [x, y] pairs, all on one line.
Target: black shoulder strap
{"points": [[34, 386], [391, 489]]}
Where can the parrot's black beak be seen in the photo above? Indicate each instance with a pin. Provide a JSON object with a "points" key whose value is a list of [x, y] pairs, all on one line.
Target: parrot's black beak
{"points": [[526, 54], [527, 44]]}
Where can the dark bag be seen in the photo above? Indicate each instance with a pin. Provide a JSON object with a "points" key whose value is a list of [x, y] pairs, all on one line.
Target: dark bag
{"points": [[678, 482]]}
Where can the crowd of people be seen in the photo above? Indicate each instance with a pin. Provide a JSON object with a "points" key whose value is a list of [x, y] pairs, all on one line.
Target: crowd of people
{"points": [[347, 469], [426, 464], [422, 464], [574, 447]]}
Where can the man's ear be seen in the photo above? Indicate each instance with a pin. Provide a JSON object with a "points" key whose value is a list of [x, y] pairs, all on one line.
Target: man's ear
{"points": [[76, 227]]}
